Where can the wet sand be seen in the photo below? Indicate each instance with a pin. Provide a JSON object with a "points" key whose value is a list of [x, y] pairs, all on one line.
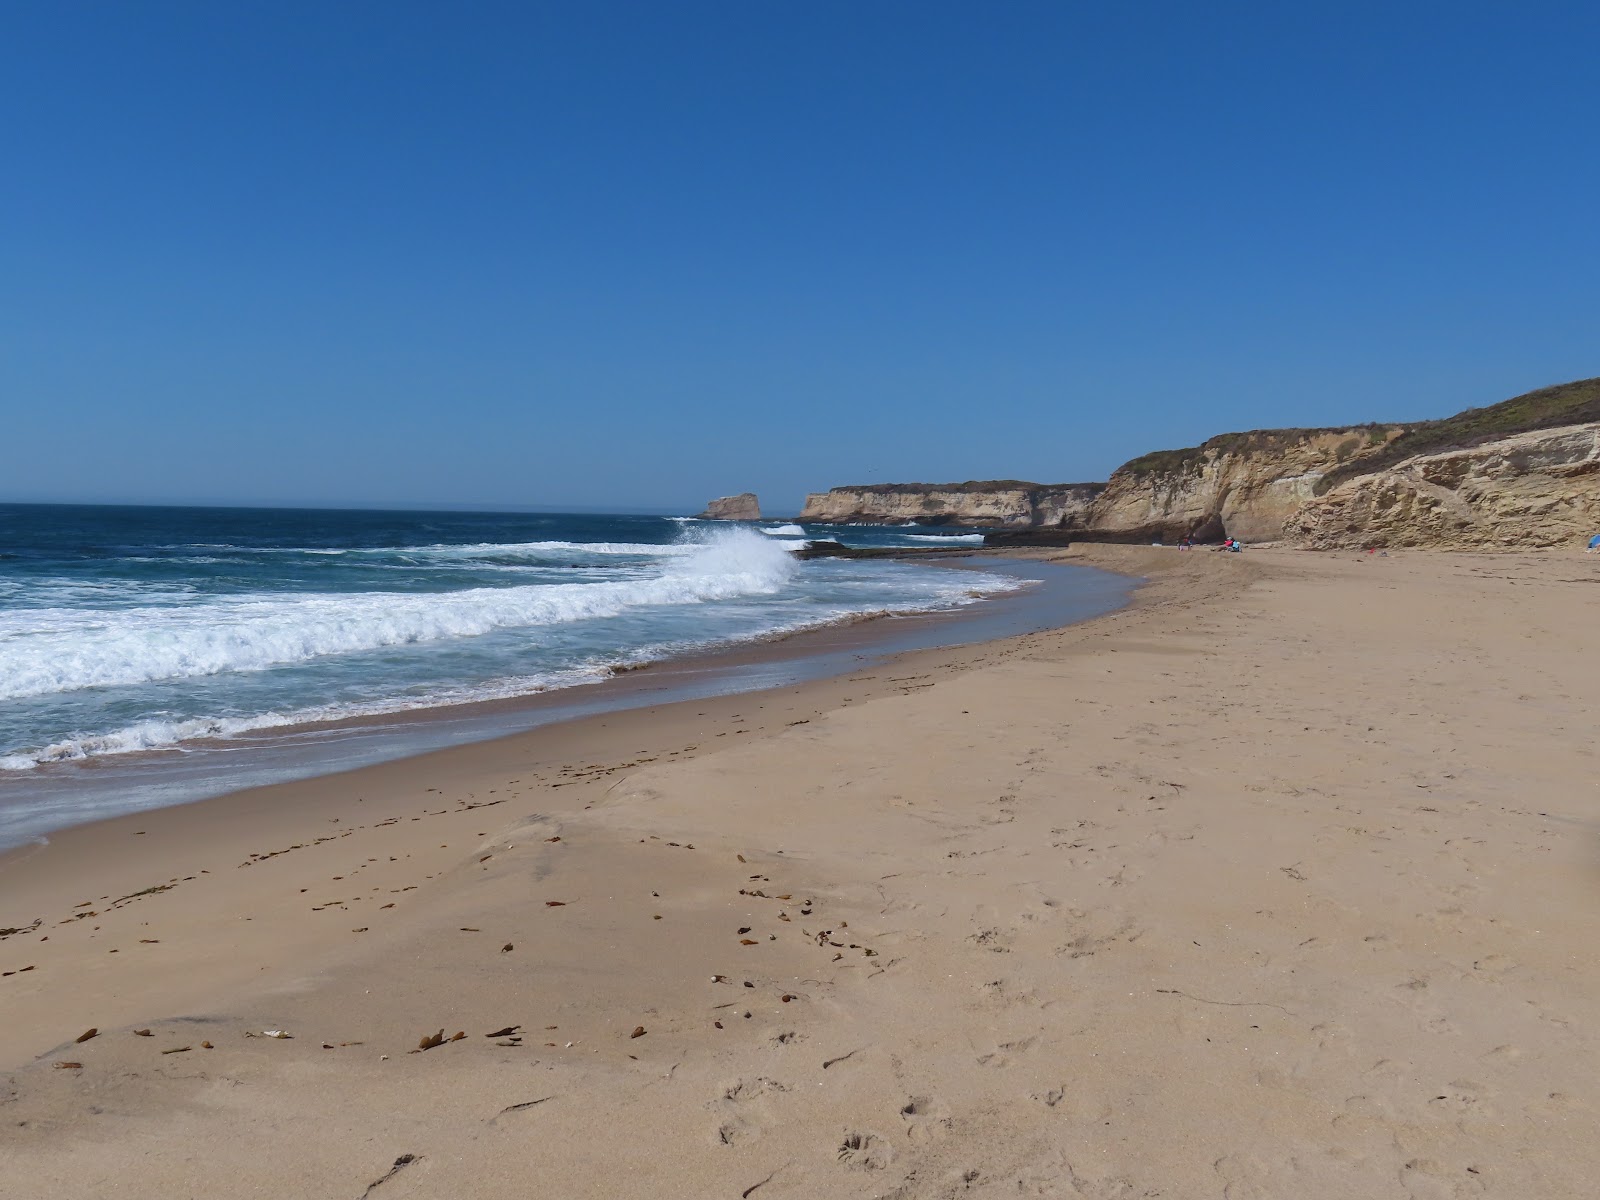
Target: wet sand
{"points": [[1282, 882], [55, 796]]}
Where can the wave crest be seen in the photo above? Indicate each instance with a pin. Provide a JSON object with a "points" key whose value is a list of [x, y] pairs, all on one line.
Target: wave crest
{"points": [[43, 652]]}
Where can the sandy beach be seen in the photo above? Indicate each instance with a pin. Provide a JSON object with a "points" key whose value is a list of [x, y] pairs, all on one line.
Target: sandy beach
{"points": [[1282, 882]]}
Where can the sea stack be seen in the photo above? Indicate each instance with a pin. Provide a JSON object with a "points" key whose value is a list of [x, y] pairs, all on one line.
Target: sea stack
{"points": [[743, 507]]}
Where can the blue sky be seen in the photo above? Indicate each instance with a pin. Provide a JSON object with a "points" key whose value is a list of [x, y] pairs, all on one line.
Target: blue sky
{"points": [[639, 254]]}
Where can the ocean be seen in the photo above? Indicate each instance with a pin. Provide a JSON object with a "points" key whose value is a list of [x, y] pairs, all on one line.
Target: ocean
{"points": [[165, 633]]}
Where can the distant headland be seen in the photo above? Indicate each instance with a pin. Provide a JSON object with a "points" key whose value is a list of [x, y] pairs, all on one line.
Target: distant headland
{"points": [[1525, 471]]}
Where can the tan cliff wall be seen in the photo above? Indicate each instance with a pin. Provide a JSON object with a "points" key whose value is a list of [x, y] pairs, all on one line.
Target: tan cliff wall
{"points": [[1530, 489], [1523, 471], [1244, 484], [1000, 503], [1240, 485]]}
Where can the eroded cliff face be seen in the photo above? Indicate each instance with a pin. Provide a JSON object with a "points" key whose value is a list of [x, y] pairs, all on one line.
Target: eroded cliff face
{"points": [[1529, 489], [743, 507], [1245, 485], [1003, 504], [1237, 485], [1525, 471]]}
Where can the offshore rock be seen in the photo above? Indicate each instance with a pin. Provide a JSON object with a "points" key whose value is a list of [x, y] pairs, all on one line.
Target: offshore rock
{"points": [[743, 507], [827, 549], [1540, 488], [1033, 537]]}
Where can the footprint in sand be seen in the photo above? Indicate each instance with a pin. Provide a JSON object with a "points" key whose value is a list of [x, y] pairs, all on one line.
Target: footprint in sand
{"points": [[742, 1116], [997, 941], [1246, 1177], [925, 1118], [749, 1089], [1086, 943], [1461, 1096], [1362, 1115], [1002, 993], [1123, 876], [1077, 1105], [865, 1151], [1429, 1179], [1103, 1187], [1413, 993], [1494, 966], [1332, 1037], [1001, 1056]]}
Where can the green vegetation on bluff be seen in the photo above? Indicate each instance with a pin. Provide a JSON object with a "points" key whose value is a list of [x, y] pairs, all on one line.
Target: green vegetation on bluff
{"points": [[970, 486], [1564, 404], [1373, 446], [1251, 441]]}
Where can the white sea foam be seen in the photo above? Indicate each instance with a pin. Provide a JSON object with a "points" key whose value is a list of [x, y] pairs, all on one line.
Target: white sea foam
{"points": [[48, 651], [158, 734], [468, 550], [124, 665], [141, 735], [542, 549], [162, 734], [970, 538]]}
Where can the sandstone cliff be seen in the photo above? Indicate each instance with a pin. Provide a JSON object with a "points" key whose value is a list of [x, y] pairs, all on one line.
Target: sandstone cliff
{"points": [[1240, 484], [1008, 503], [1243, 485], [1523, 471], [1530, 489], [743, 507]]}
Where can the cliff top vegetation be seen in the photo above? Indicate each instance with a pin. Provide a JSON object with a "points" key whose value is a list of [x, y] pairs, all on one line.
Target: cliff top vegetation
{"points": [[971, 485], [1251, 441], [1563, 404], [1373, 446]]}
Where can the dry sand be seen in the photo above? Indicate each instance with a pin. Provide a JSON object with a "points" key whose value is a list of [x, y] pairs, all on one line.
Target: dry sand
{"points": [[1284, 882]]}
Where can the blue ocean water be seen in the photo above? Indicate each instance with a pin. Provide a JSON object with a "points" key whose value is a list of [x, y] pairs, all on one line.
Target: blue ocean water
{"points": [[128, 629]]}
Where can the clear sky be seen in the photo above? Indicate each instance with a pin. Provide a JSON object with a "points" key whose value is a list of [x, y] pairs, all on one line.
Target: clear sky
{"points": [[639, 254]]}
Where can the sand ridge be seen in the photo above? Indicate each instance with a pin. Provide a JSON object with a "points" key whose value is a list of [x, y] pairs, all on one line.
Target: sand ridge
{"points": [[1280, 882]]}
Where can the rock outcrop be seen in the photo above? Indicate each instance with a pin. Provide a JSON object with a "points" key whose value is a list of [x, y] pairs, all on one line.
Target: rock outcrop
{"points": [[1521, 472], [1243, 485], [1246, 485], [743, 507], [1004, 503], [1531, 489]]}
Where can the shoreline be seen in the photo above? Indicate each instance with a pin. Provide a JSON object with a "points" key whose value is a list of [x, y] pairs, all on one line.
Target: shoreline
{"points": [[48, 874], [1000, 919], [204, 768]]}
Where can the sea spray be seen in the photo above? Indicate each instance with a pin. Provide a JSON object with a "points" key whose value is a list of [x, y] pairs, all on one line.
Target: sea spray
{"points": [[64, 650], [130, 630]]}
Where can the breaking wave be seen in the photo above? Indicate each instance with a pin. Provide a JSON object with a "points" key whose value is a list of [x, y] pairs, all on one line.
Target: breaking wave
{"points": [[45, 651], [159, 734]]}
